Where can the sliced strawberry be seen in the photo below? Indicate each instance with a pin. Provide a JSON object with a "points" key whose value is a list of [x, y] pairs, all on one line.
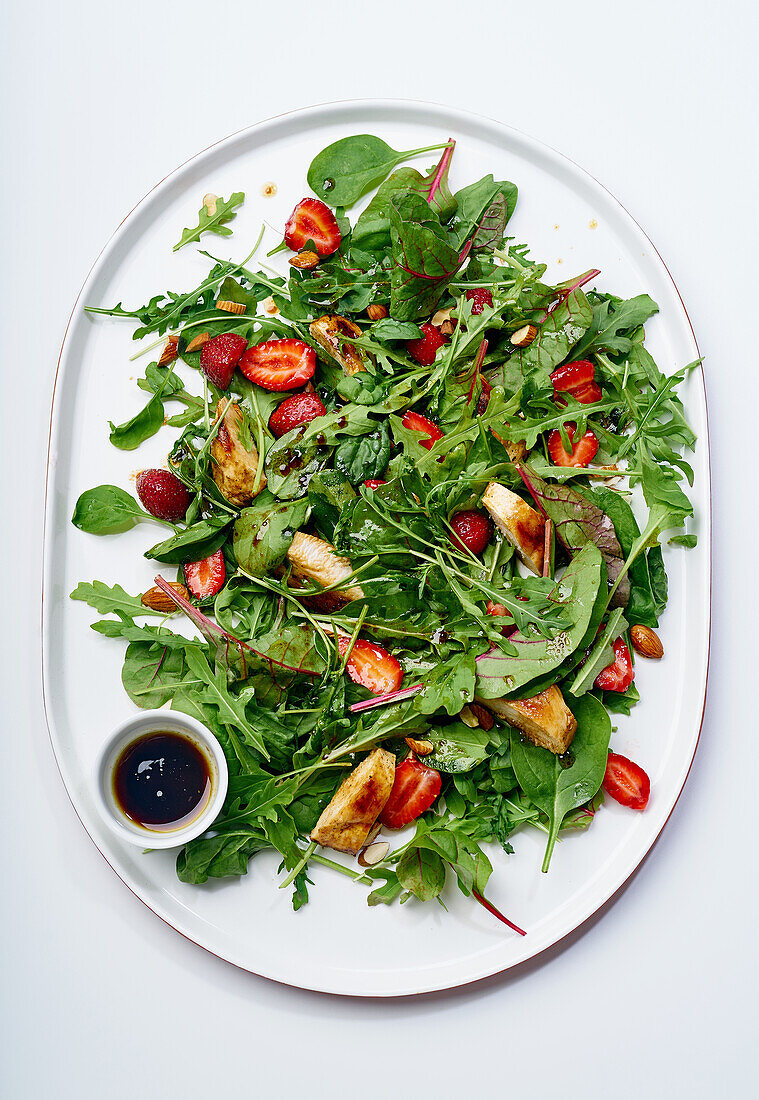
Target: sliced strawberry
{"points": [[206, 577], [312, 220], [418, 423], [626, 782], [299, 409], [424, 349], [472, 530], [415, 788], [220, 356], [583, 451], [279, 365], [620, 673], [498, 609], [371, 666], [588, 395], [163, 495], [480, 297], [484, 398], [374, 483], [572, 376]]}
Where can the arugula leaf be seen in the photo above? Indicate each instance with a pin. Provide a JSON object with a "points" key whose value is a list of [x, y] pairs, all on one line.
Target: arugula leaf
{"points": [[611, 318], [557, 789], [213, 218], [111, 598], [457, 748], [231, 712], [350, 167], [107, 510], [601, 655]]}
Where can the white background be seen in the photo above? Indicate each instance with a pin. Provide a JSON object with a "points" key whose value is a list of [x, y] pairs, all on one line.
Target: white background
{"points": [[655, 997]]}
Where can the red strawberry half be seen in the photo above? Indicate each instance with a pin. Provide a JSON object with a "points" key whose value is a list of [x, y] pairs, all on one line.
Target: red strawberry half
{"points": [[163, 495], [371, 666], [299, 409], [279, 365], [206, 577], [418, 423], [583, 451], [472, 531], [424, 349], [312, 220], [374, 483], [480, 297], [220, 356]]}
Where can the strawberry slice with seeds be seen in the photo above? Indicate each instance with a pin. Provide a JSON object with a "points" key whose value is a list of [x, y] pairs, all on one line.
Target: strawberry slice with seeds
{"points": [[473, 530], [294, 411], [371, 666], [206, 577], [583, 451], [220, 356], [374, 483], [579, 379], [279, 365], [415, 788], [312, 220], [163, 495], [418, 423], [424, 348]]}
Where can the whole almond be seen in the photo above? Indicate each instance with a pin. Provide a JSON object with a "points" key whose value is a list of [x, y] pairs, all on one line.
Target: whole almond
{"points": [[376, 311], [524, 336], [157, 600], [421, 748], [646, 642], [305, 261], [198, 341], [230, 307], [170, 351], [483, 715]]}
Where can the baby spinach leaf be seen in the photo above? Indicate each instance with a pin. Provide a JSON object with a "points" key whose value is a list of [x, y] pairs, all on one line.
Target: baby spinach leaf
{"points": [[463, 855], [142, 426], [364, 456], [263, 533], [421, 871], [449, 685], [224, 856], [107, 510], [194, 543], [350, 167], [557, 789], [390, 329], [328, 493], [292, 461], [499, 674], [457, 748], [213, 218]]}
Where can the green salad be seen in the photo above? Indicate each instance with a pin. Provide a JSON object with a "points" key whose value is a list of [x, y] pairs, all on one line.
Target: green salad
{"points": [[402, 573]]}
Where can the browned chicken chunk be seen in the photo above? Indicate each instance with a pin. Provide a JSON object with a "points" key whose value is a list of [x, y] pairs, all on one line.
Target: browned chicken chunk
{"points": [[544, 718], [318, 561], [521, 524], [327, 331], [234, 467], [347, 821]]}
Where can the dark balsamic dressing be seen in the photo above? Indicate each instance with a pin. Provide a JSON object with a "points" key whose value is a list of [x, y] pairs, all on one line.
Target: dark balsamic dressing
{"points": [[162, 781]]}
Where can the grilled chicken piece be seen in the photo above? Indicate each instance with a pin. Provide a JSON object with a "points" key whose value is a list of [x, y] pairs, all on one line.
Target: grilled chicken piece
{"points": [[327, 330], [515, 450], [521, 524], [318, 561], [545, 718], [345, 824], [234, 467]]}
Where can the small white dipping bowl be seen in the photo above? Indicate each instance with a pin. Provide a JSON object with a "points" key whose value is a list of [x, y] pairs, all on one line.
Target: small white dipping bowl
{"points": [[140, 725]]}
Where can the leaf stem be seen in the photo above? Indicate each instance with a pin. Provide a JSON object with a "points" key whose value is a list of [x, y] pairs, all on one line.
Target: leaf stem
{"points": [[299, 866]]}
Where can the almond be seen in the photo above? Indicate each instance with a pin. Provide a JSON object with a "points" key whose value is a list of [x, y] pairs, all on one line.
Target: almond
{"points": [[209, 201], [305, 261], [483, 715], [170, 352], [469, 718], [376, 311], [646, 642], [157, 600], [524, 336], [421, 748], [442, 320], [198, 341], [270, 306], [230, 307], [375, 853]]}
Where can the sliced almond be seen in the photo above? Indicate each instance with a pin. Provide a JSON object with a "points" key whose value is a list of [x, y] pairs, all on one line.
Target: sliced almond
{"points": [[421, 748], [268, 190], [270, 306], [483, 716], [524, 336], [376, 312], [230, 307], [469, 718], [646, 642], [157, 600], [170, 352], [198, 341], [374, 854], [305, 261], [209, 201], [442, 320]]}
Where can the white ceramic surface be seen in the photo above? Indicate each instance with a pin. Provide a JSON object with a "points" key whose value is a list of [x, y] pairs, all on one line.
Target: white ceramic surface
{"points": [[573, 223], [138, 725]]}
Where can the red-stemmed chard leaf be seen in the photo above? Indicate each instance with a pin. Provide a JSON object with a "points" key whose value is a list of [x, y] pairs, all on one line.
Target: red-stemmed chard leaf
{"points": [[438, 193], [578, 521]]}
